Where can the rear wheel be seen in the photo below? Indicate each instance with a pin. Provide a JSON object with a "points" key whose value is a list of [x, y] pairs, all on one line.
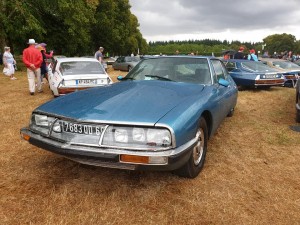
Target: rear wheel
{"points": [[129, 68], [196, 161]]}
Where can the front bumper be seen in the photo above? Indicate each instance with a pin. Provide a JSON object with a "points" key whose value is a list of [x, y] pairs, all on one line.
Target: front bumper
{"points": [[108, 157], [269, 82]]}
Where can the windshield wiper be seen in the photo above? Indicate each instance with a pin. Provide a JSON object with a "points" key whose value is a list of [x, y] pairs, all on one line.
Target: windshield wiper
{"points": [[159, 77], [127, 78]]}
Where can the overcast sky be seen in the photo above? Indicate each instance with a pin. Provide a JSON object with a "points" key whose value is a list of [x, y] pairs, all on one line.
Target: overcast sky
{"points": [[251, 20]]}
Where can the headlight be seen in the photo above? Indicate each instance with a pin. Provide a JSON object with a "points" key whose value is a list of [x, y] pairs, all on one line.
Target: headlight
{"points": [[138, 134], [43, 120], [43, 123], [137, 138]]}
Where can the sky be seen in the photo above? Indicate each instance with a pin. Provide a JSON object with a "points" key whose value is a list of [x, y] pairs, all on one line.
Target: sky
{"points": [[243, 20]]}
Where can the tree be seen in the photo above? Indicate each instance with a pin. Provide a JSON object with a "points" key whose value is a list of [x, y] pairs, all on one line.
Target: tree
{"points": [[280, 42], [116, 29]]}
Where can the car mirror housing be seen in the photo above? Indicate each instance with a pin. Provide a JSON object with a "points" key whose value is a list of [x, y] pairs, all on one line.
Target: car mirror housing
{"points": [[223, 82], [120, 78]]}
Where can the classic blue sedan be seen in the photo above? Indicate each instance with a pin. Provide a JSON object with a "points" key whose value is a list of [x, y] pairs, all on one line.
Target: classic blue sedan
{"points": [[159, 117], [252, 74]]}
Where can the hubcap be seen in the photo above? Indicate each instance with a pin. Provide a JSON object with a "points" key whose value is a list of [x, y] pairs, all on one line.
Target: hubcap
{"points": [[198, 149]]}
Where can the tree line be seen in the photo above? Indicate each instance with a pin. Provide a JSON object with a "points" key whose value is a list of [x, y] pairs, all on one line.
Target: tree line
{"points": [[273, 43], [71, 27]]}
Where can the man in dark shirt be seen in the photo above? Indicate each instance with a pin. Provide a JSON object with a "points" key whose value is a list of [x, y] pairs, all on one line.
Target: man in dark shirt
{"points": [[240, 54]]}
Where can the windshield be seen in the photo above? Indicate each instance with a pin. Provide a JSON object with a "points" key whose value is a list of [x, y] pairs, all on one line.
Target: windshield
{"points": [[257, 66], [178, 69], [285, 65], [81, 67]]}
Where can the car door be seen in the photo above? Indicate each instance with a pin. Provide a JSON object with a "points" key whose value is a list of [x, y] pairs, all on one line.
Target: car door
{"points": [[117, 63], [225, 95], [125, 63]]}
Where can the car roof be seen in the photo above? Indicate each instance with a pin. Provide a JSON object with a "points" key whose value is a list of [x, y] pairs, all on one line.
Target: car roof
{"points": [[238, 60], [76, 59], [182, 56], [273, 59]]}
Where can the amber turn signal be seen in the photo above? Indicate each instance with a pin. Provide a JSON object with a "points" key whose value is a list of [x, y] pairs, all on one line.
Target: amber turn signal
{"points": [[134, 159], [25, 136]]}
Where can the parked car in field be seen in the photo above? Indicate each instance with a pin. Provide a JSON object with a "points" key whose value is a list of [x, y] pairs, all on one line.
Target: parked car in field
{"points": [[109, 60], [73, 74], [290, 70], [247, 73], [297, 62], [159, 117], [298, 101], [125, 63]]}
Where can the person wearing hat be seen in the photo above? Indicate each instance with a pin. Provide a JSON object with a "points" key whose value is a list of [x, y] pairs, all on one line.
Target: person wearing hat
{"points": [[32, 58], [9, 62], [240, 54], [252, 55]]}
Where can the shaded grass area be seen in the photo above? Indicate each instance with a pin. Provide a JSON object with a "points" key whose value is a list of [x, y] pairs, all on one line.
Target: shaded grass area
{"points": [[251, 175]]}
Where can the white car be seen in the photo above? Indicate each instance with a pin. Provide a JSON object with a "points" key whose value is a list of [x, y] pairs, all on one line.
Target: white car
{"points": [[67, 75]]}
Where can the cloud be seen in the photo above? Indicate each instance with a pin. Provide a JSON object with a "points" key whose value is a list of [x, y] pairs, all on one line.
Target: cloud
{"points": [[230, 19]]}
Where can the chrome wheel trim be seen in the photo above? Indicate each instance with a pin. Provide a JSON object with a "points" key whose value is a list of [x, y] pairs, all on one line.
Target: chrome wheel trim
{"points": [[199, 147]]}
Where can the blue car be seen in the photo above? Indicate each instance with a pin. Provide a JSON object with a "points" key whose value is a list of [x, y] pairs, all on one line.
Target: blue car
{"points": [[251, 74], [159, 117]]}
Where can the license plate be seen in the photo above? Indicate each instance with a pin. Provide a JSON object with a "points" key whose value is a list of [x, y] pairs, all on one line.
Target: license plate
{"points": [[86, 81], [270, 76], [77, 128]]}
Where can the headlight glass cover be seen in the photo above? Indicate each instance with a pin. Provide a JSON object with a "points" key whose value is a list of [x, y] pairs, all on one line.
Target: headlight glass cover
{"points": [[42, 123], [137, 138]]}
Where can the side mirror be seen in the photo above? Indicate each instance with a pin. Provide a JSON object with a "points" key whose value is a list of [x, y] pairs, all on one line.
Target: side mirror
{"points": [[223, 82], [120, 78]]}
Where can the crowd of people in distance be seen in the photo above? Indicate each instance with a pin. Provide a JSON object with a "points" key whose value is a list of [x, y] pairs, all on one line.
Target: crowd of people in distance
{"points": [[286, 55]]}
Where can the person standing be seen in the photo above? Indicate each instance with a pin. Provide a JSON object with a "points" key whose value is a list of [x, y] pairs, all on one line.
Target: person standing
{"points": [[9, 62], [99, 56], [32, 58], [240, 54], [252, 55]]}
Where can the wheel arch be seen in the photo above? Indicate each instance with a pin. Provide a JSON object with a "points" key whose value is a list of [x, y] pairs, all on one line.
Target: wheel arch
{"points": [[208, 118]]}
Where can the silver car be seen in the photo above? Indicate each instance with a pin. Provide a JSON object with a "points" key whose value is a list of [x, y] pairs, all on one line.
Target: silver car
{"points": [[125, 63]]}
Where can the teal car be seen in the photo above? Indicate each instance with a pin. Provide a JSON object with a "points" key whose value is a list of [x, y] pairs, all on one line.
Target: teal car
{"points": [[159, 117]]}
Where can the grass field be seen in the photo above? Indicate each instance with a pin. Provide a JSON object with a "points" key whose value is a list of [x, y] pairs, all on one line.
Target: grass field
{"points": [[251, 175]]}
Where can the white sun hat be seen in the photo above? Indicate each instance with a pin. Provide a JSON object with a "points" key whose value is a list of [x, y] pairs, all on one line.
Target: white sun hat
{"points": [[31, 42]]}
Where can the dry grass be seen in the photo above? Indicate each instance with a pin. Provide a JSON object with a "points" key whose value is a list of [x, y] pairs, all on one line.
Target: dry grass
{"points": [[251, 175]]}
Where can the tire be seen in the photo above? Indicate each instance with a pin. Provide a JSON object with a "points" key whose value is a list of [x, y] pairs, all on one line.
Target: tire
{"points": [[297, 111], [230, 114], [241, 88], [129, 68], [196, 161], [298, 116]]}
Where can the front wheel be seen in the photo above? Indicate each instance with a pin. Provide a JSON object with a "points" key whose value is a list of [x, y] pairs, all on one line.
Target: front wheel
{"points": [[297, 111], [196, 161]]}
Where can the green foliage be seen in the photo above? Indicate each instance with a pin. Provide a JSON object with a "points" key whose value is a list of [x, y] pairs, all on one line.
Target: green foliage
{"points": [[280, 42], [71, 27]]}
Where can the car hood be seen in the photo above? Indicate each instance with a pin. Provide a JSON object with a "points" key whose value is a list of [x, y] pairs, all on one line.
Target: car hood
{"points": [[127, 102]]}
